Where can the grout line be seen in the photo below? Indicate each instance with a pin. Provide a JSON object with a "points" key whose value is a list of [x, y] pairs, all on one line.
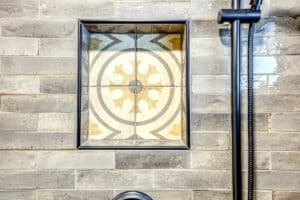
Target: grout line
{"points": [[135, 95], [39, 9], [76, 179], [191, 157], [38, 47], [270, 158]]}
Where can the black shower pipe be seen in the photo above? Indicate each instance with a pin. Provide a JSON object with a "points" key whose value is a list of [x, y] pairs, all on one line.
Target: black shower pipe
{"points": [[235, 104], [236, 16]]}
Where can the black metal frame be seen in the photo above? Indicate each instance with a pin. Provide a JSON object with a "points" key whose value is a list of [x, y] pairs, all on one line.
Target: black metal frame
{"points": [[188, 83]]}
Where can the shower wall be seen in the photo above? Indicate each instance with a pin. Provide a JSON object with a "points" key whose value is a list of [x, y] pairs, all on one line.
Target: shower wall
{"points": [[38, 84]]}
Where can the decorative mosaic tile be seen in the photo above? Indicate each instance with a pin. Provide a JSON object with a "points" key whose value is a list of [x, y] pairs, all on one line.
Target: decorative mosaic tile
{"points": [[112, 59], [135, 92], [111, 113], [159, 113], [159, 58]]}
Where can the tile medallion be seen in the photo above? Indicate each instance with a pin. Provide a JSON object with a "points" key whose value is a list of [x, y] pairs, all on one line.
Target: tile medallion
{"points": [[135, 90]]}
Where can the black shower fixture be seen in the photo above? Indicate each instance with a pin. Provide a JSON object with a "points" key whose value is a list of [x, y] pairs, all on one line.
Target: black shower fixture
{"points": [[236, 16], [132, 195], [244, 15]]}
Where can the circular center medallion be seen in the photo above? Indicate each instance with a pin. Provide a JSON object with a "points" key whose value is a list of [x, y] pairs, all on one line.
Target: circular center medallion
{"points": [[135, 86]]}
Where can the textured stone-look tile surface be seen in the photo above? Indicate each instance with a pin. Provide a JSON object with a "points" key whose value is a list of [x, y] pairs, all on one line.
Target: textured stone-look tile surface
{"points": [[38, 28], [217, 66], [209, 46], [36, 140], [192, 179], [276, 141], [18, 46], [18, 122], [56, 122], [286, 195], [215, 84], [207, 10], [58, 84], [278, 180], [145, 9], [212, 195], [203, 103], [37, 180], [211, 160], [285, 160], [38, 82], [210, 140], [28, 65], [51, 47], [284, 45], [19, 8], [17, 160], [77, 9], [74, 194], [19, 85], [210, 121], [19, 195], [276, 103], [227, 195], [262, 160], [259, 194], [75, 160], [108, 179], [56, 160], [285, 122], [152, 160], [38, 103]]}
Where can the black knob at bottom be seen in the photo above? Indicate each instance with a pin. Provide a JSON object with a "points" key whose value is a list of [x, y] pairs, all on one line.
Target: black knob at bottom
{"points": [[132, 195]]}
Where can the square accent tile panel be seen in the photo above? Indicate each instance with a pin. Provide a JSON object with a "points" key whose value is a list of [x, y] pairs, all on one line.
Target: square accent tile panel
{"points": [[134, 90]]}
